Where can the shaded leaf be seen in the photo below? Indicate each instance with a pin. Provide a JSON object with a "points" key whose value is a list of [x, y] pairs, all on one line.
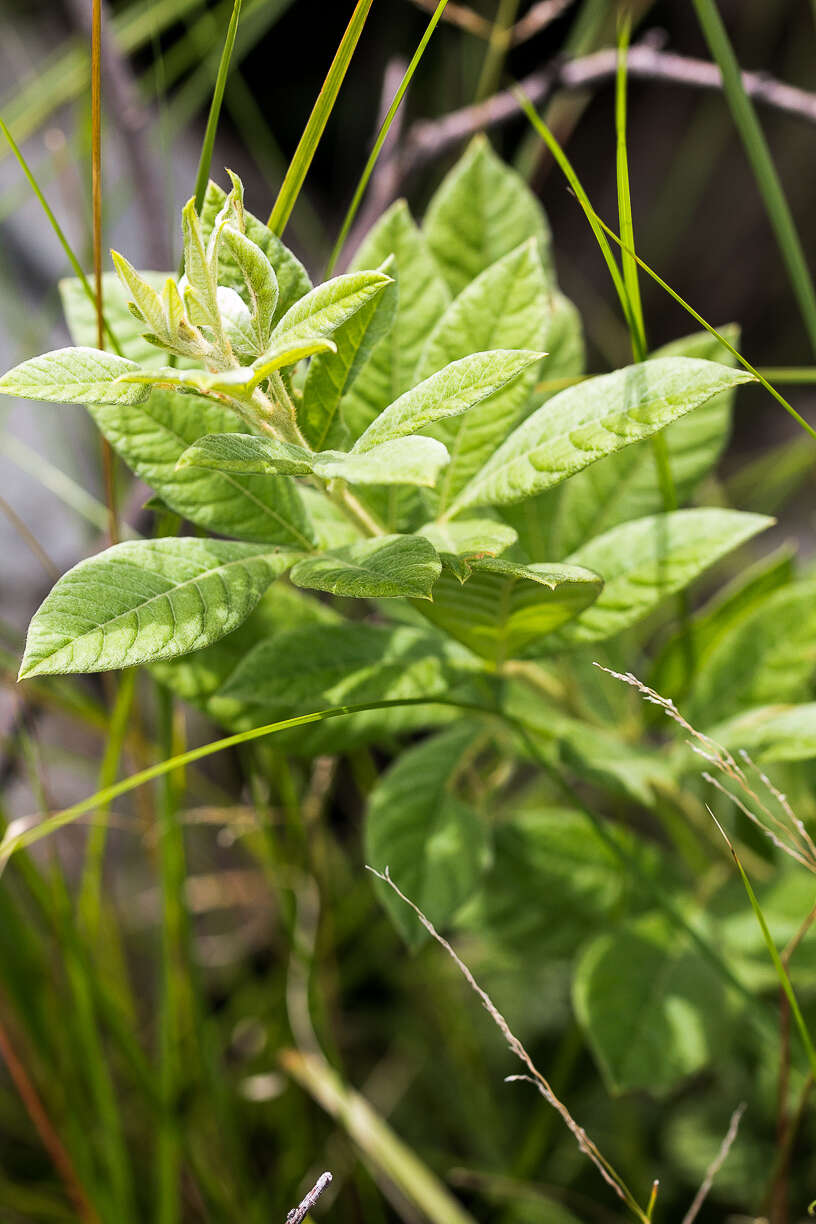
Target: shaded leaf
{"points": [[384, 567]]}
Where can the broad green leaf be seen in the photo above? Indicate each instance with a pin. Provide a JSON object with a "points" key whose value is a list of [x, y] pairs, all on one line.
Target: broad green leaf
{"points": [[771, 733], [422, 297], [305, 667], [690, 647], [413, 460], [504, 608], [327, 307], [145, 600], [644, 561], [594, 419], [552, 882], [382, 568], [653, 1010], [625, 485], [330, 377], [447, 393], [504, 308], [767, 656], [293, 280], [481, 211], [80, 316], [433, 842], [74, 376], [463, 540], [152, 437]]}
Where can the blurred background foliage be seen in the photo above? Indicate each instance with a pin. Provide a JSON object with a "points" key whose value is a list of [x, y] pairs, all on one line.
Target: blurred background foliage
{"points": [[396, 1027]]}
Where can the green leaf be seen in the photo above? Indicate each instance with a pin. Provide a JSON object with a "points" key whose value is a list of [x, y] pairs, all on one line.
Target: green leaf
{"points": [[80, 316], [152, 437], [146, 600], [422, 297], [307, 667], [594, 419], [626, 485], [329, 378], [260, 281], [767, 656], [503, 608], [482, 211], [327, 307], [653, 1010], [448, 393], [293, 280], [413, 461], [74, 376], [434, 843], [504, 308], [382, 568], [643, 562], [461, 542], [771, 733]]}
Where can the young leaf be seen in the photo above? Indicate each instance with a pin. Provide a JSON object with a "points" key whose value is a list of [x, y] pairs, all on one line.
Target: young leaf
{"points": [[384, 567], [653, 1009], [329, 378], [327, 307], [80, 316], [504, 308], [74, 376], [434, 843], [625, 485], [446, 394], [248, 454], [145, 600], [308, 667], [292, 278], [422, 297], [459, 543], [591, 420], [644, 561], [503, 608], [259, 279], [481, 211], [152, 437]]}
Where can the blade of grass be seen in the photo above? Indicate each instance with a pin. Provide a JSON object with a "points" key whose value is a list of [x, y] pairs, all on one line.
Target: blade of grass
{"points": [[497, 48], [382, 135], [627, 229], [302, 159], [600, 226], [758, 154], [205, 160]]}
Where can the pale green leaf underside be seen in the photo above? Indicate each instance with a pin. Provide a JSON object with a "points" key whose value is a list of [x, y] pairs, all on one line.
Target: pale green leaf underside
{"points": [[411, 461], [434, 844], [644, 561], [327, 307], [447, 393], [504, 608], [594, 419], [74, 376], [80, 315], [381, 568], [147, 600]]}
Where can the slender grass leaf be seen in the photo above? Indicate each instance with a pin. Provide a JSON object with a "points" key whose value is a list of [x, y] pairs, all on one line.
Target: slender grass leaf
{"points": [[74, 376], [421, 297], [205, 159], [504, 608], [145, 600], [152, 437], [382, 568], [654, 1011], [447, 393], [433, 842], [592, 420], [627, 230], [505, 307], [482, 211], [302, 159]]}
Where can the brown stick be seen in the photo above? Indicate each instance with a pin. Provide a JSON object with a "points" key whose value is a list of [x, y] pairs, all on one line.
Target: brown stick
{"points": [[45, 1129], [302, 1210]]}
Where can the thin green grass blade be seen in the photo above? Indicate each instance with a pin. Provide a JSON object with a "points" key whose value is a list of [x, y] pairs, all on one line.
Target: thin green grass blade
{"points": [[299, 165], [756, 149], [600, 226], [348, 221], [627, 229], [58, 230], [205, 160]]}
